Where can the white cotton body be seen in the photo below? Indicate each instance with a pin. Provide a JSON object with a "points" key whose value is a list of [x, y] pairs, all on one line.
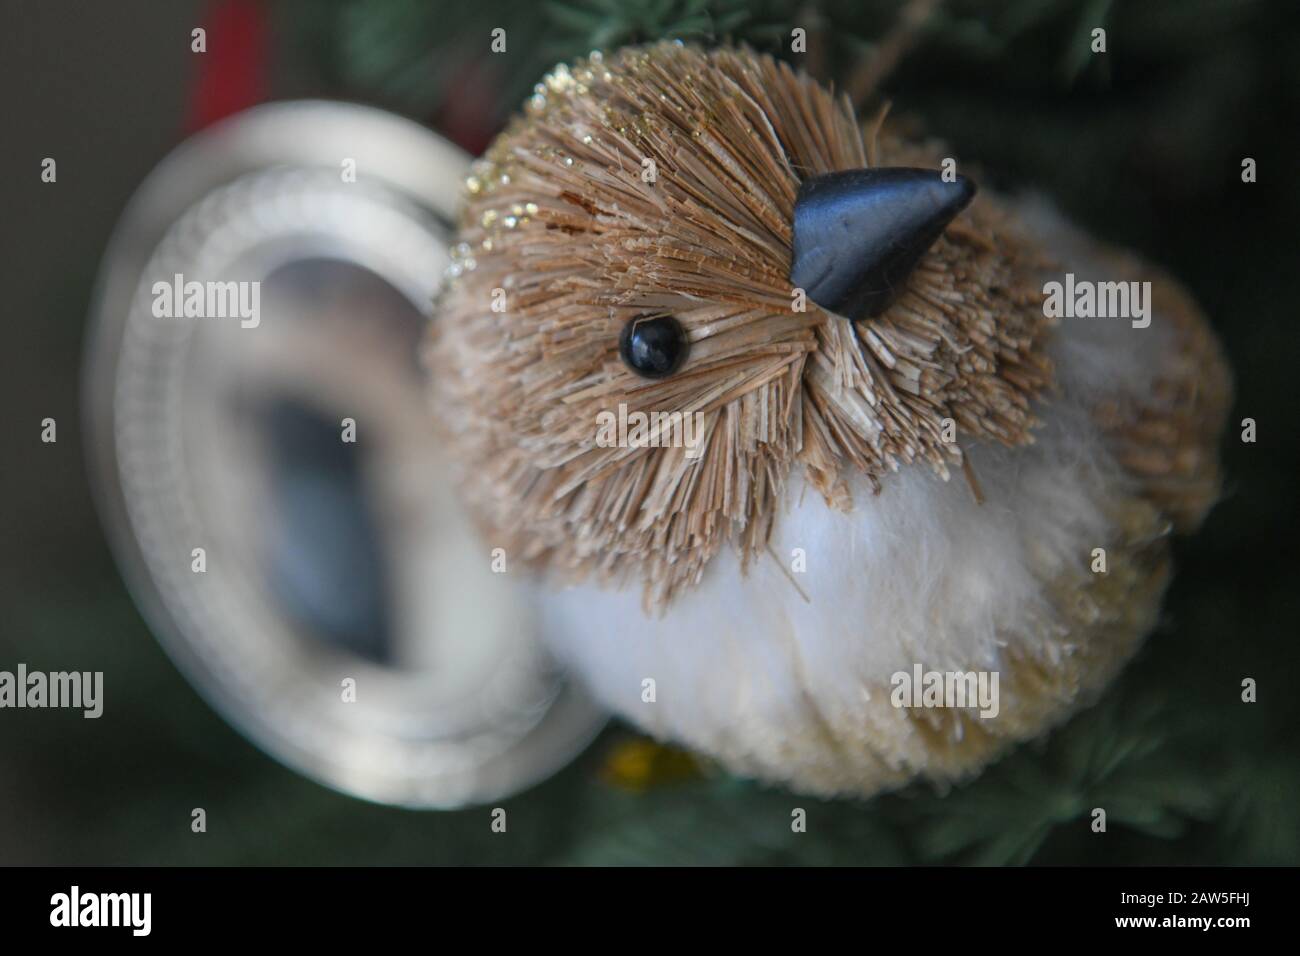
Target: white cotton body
{"points": [[795, 687]]}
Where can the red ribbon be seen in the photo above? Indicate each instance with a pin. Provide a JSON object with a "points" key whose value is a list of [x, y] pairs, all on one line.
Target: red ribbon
{"points": [[232, 73]]}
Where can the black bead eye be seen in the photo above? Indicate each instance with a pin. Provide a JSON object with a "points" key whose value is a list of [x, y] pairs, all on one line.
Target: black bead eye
{"points": [[653, 346]]}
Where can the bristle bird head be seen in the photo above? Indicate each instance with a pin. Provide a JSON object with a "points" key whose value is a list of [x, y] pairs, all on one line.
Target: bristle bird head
{"points": [[680, 234]]}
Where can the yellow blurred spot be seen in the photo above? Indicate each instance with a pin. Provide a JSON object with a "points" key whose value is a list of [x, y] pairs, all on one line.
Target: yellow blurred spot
{"points": [[637, 764]]}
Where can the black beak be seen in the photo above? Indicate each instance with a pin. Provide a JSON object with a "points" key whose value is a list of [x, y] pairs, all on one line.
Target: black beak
{"points": [[858, 234]]}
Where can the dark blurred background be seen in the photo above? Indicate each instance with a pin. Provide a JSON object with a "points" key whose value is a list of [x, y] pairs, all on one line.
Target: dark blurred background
{"points": [[1142, 145]]}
